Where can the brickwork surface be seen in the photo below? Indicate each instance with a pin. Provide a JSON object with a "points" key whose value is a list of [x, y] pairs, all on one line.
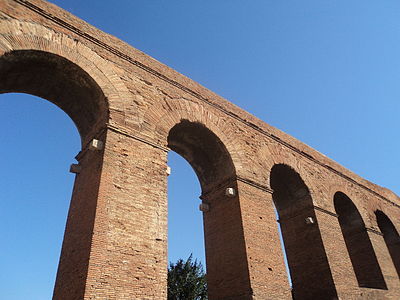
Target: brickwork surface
{"points": [[115, 244]]}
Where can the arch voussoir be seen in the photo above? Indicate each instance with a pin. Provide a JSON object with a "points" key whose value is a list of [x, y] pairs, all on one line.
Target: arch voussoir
{"points": [[166, 114], [21, 35]]}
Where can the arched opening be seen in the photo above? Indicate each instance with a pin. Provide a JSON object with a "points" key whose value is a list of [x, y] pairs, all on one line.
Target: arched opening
{"points": [[227, 270], [57, 80], [69, 87], [359, 246], [36, 190], [185, 220], [204, 151], [391, 236], [185, 228], [302, 240]]}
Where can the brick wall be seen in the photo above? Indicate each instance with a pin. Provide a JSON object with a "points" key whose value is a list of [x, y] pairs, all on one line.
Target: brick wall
{"points": [[115, 244]]}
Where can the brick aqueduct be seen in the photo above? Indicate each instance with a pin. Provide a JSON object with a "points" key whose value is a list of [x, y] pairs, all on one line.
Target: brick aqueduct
{"points": [[339, 230]]}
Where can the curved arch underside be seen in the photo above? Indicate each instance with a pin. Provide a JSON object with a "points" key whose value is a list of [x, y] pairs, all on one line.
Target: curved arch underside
{"points": [[391, 237], [204, 151], [303, 244], [359, 246], [57, 80]]}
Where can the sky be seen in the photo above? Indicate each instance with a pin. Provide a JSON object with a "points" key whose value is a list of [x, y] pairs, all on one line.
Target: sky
{"points": [[325, 72]]}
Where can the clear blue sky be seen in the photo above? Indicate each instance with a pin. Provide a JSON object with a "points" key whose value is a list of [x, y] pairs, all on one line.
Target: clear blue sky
{"points": [[326, 72]]}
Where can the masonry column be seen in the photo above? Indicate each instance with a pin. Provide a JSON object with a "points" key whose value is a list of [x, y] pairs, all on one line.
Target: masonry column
{"points": [[85, 210], [116, 237], [339, 261], [267, 271], [227, 264], [385, 262]]}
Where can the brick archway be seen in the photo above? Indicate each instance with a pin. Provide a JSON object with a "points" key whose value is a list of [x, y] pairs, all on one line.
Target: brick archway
{"points": [[391, 237], [204, 141], [19, 38], [115, 243], [166, 114], [306, 255], [59, 81], [53, 66], [360, 249]]}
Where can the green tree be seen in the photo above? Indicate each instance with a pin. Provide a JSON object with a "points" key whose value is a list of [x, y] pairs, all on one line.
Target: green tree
{"points": [[187, 280]]}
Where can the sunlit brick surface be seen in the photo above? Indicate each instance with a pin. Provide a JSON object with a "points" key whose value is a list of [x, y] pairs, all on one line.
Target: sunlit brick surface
{"points": [[115, 244]]}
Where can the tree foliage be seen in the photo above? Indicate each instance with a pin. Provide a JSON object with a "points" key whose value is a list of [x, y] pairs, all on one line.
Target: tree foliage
{"points": [[187, 280]]}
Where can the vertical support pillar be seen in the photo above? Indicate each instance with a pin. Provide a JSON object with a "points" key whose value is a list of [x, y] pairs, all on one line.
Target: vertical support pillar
{"points": [[306, 255], [386, 264], [267, 273], [80, 228], [336, 252], [227, 264], [116, 238]]}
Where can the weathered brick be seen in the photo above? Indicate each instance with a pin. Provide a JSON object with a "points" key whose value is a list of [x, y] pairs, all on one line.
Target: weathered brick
{"points": [[115, 244]]}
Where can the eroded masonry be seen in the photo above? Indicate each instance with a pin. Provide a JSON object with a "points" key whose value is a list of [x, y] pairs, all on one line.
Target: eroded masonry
{"points": [[340, 231]]}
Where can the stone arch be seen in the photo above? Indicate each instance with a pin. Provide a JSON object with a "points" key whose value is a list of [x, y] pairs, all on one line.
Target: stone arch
{"points": [[391, 237], [59, 81], [37, 60], [361, 252], [163, 116], [350, 192], [275, 154], [208, 144], [305, 252], [39, 48], [204, 151]]}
